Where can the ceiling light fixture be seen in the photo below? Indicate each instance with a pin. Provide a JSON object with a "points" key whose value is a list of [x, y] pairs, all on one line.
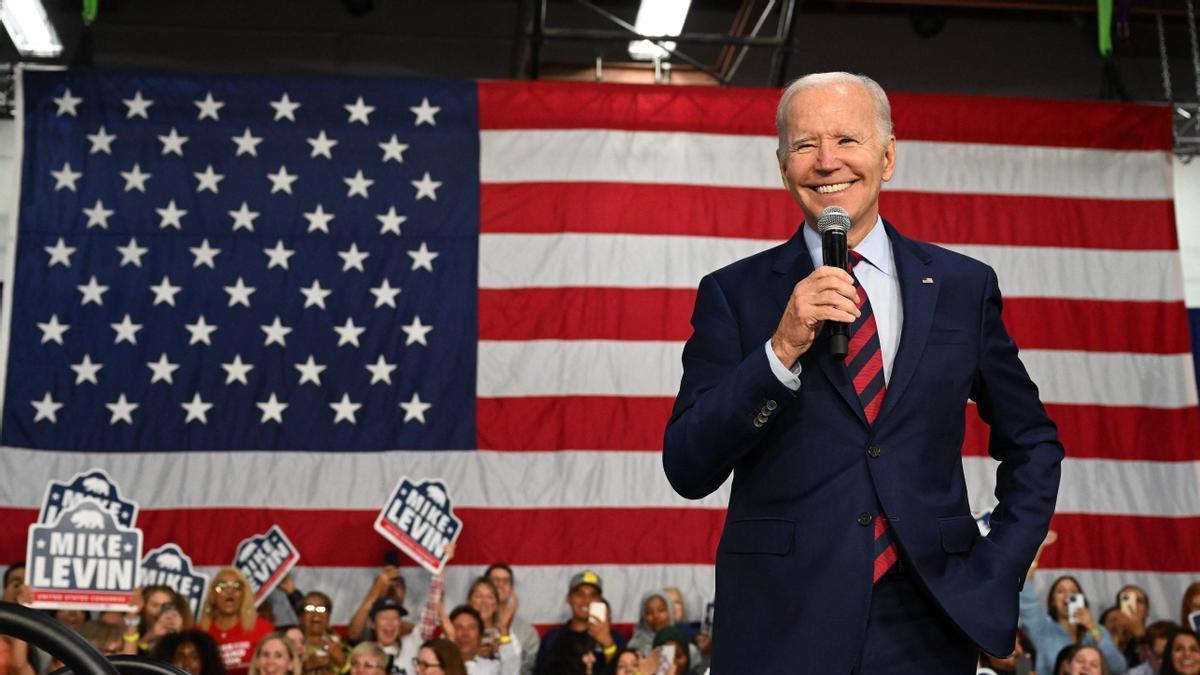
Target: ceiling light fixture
{"points": [[658, 17], [30, 28]]}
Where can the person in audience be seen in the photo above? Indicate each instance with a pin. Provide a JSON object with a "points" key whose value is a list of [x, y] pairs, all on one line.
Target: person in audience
{"points": [[563, 646], [388, 626], [368, 659], [1191, 603], [294, 634], [439, 657], [1182, 656], [192, 651], [1050, 629], [163, 611], [323, 649], [71, 618], [388, 584], [1152, 646], [16, 652], [502, 576], [276, 655], [1121, 627], [1080, 660], [502, 657], [229, 616], [674, 635], [657, 613], [626, 662], [483, 597]]}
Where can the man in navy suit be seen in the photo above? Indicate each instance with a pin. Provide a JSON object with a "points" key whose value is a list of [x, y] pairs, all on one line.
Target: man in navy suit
{"points": [[849, 544]]}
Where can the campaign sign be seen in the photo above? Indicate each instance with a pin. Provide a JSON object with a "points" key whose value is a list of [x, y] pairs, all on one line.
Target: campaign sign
{"points": [[95, 484], [84, 560], [419, 519], [169, 566], [266, 559]]}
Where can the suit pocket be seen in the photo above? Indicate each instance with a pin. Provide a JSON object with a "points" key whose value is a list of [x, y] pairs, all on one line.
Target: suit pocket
{"points": [[762, 535], [958, 533], [947, 336]]}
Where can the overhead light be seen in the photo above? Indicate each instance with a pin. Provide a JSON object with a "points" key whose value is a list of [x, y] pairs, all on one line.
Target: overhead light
{"points": [[30, 28], [1183, 112], [658, 17]]}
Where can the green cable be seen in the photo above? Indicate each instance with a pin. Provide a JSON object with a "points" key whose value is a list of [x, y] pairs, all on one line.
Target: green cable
{"points": [[1104, 11], [90, 8]]}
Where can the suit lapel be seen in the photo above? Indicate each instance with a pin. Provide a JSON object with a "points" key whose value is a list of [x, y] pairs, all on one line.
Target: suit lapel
{"points": [[919, 298], [791, 267]]}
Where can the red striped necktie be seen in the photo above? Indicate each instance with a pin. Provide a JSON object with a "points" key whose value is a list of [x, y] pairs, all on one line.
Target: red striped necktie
{"points": [[864, 365]]}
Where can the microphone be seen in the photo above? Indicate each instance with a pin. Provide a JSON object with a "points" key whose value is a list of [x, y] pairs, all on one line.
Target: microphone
{"points": [[834, 224]]}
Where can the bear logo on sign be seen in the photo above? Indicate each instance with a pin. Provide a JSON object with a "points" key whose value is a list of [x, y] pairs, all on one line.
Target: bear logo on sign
{"points": [[87, 520]]}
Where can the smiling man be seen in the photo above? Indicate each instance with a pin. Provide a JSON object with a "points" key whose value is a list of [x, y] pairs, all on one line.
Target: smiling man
{"points": [[849, 538]]}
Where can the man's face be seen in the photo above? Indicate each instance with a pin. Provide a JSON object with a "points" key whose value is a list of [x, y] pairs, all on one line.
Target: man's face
{"points": [[387, 626], [834, 154], [467, 635], [315, 618], [14, 582], [504, 583], [580, 597]]}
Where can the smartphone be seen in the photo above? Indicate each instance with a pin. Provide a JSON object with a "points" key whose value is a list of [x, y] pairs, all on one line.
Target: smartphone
{"points": [[1194, 621], [390, 557], [598, 611], [667, 659], [167, 607], [1128, 601], [490, 636], [1074, 603], [706, 625]]}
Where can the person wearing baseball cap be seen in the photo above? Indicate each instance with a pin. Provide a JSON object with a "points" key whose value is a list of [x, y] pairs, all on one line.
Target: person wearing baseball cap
{"points": [[588, 631], [387, 624]]}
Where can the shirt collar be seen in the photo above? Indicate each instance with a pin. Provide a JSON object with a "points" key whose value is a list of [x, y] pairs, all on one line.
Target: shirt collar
{"points": [[876, 247]]}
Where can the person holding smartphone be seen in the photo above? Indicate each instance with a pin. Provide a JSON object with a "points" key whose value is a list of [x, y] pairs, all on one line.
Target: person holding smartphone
{"points": [[1065, 620], [588, 630]]}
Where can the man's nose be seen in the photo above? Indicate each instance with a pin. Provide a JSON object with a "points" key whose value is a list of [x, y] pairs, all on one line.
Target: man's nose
{"points": [[827, 157]]}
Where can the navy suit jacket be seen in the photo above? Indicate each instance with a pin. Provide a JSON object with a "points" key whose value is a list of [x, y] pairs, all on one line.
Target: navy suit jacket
{"points": [[794, 567]]}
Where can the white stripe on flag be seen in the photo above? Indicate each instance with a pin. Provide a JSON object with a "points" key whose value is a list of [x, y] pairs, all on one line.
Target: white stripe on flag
{"points": [[663, 261], [660, 157]]}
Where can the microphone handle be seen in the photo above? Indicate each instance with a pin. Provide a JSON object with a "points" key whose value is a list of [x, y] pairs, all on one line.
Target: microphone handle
{"points": [[834, 254]]}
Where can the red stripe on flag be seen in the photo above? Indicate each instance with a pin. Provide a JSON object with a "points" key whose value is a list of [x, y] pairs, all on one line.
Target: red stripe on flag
{"points": [[1098, 325], [699, 211], [544, 536], [572, 422], [1110, 432], [965, 119], [1120, 542]]}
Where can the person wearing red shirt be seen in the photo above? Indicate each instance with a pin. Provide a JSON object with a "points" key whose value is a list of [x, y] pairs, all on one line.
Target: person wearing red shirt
{"points": [[230, 617]]}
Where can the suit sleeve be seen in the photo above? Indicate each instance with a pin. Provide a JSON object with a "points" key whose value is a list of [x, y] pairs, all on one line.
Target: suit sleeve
{"points": [[1023, 439], [727, 399]]}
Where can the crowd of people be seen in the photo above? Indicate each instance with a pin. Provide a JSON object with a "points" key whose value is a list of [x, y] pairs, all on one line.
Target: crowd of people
{"points": [[292, 634]]}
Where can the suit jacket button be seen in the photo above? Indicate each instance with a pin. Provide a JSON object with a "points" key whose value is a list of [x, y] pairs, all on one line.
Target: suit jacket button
{"points": [[864, 519], [770, 405], [874, 451], [759, 421]]}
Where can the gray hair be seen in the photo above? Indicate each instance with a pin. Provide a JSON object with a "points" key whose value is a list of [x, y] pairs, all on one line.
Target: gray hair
{"points": [[882, 108]]}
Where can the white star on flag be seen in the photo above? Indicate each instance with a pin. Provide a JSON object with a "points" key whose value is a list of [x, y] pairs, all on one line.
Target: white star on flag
{"points": [[385, 294], [208, 180], [239, 293], [201, 331], [126, 330], [278, 256], [422, 258], [65, 177], [415, 409], [381, 370], [171, 216], [344, 410], [67, 104], [52, 330], [209, 108], [315, 295], [121, 409], [352, 258], [425, 113], [60, 253], [281, 181], [138, 106], [285, 108], [247, 143], [416, 332], [276, 333], [322, 145], [310, 371], [162, 370], [318, 219], [348, 333], [92, 292], [135, 179], [390, 221], [235, 371], [357, 184], [272, 408], [204, 254], [197, 410], [98, 215], [131, 253], [172, 143], [85, 370], [243, 218], [393, 149], [427, 187], [165, 292], [359, 112], [101, 141], [47, 409]]}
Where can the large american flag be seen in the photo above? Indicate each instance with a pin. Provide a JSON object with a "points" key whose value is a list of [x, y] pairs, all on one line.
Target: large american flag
{"points": [[261, 300]]}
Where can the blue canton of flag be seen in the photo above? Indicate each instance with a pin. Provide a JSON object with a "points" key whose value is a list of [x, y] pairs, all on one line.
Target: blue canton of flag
{"points": [[230, 263]]}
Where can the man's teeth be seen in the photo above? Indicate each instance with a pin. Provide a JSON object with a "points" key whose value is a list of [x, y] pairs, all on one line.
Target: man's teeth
{"points": [[836, 187]]}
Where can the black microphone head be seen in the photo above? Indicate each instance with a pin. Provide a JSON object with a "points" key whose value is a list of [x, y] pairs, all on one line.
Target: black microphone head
{"points": [[833, 219]]}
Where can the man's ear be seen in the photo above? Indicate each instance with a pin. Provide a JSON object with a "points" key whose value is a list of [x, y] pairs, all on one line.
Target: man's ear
{"points": [[889, 158]]}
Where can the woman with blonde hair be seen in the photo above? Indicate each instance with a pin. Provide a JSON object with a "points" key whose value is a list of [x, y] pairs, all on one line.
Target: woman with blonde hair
{"points": [[229, 616], [275, 655]]}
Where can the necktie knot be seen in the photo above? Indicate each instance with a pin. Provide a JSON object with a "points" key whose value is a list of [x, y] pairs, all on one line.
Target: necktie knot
{"points": [[854, 258]]}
